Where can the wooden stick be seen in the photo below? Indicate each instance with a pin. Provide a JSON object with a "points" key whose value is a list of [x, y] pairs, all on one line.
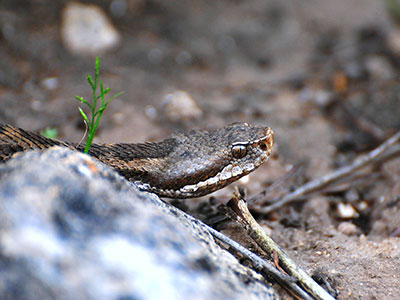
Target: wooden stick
{"points": [[270, 247], [258, 263], [323, 181]]}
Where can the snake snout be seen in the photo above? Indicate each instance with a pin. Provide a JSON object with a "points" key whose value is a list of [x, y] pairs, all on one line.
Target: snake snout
{"points": [[268, 142], [270, 138]]}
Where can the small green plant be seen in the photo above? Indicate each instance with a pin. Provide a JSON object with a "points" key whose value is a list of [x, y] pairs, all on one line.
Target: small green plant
{"points": [[96, 114], [50, 132]]}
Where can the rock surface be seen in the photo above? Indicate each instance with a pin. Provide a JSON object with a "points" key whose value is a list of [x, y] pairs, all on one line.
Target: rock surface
{"points": [[71, 228]]}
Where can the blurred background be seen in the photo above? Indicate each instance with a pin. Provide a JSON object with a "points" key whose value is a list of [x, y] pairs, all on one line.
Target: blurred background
{"points": [[323, 74], [259, 61]]}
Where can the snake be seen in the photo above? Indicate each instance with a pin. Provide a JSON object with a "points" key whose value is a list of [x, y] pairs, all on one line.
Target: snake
{"points": [[187, 164]]}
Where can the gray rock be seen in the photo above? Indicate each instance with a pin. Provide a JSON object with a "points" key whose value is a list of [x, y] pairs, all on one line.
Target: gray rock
{"points": [[72, 228]]}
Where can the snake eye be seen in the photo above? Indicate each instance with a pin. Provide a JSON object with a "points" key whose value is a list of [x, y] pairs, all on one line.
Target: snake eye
{"points": [[239, 151]]}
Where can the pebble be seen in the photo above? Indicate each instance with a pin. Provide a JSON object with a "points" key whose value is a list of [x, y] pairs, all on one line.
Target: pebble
{"points": [[348, 228], [151, 112], [50, 83], [86, 30], [179, 106], [346, 211], [362, 206]]}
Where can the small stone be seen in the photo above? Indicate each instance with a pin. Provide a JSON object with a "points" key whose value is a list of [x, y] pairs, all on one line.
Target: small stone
{"points": [[380, 68], [151, 112], [180, 106], [36, 105], [86, 30], [348, 228], [50, 83], [323, 98], [346, 211], [362, 206]]}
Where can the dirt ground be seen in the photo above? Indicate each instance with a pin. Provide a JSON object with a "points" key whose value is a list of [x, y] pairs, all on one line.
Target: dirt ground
{"points": [[323, 74]]}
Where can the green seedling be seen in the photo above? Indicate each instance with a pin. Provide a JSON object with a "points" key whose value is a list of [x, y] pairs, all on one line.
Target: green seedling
{"points": [[50, 132], [96, 114]]}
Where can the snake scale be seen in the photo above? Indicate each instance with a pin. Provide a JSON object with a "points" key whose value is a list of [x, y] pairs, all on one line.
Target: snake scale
{"points": [[186, 164]]}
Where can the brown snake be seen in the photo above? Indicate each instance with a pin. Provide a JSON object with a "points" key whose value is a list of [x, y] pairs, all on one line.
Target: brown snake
{"points": [[184, 165]]}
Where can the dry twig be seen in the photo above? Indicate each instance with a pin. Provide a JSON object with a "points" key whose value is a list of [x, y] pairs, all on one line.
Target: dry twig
{"points": [[271, 248], [323, 181], [259, 264]]}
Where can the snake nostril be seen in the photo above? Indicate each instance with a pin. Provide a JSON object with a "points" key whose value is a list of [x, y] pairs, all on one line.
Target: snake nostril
{"points": [[264, 146]]}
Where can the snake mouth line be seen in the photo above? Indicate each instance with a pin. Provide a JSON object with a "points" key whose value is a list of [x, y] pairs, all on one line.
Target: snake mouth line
{"points": [[228, 174]]}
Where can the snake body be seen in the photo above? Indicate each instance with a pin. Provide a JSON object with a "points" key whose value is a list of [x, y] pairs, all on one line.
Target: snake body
{"points": [[184, 165]]}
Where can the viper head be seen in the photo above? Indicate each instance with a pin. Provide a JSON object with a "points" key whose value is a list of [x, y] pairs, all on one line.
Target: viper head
{"points": [[205, 161]]}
